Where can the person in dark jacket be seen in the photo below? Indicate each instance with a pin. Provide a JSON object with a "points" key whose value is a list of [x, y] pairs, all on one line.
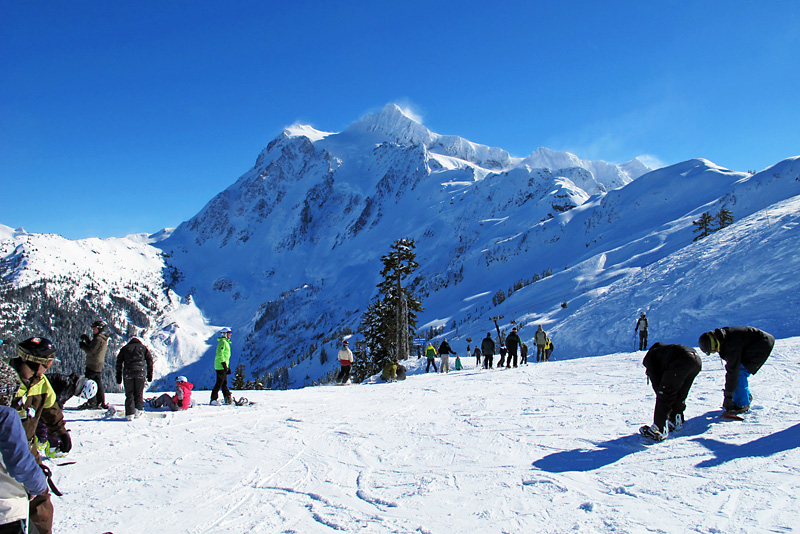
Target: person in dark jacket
{"points": [[671, 370], [444, 353], [512, 343], [744, 349], [135, 367], [523, 354], [641, 328], [95, 349], [477, 354], [487, 348]]}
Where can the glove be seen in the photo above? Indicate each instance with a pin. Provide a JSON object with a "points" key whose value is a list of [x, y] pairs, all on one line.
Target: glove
{"points": [[66, 442], [85, 338], [727, 403], [227, 370]]}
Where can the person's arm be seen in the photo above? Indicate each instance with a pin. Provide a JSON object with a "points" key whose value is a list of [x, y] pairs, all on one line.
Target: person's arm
{"points": [[17, 458]]}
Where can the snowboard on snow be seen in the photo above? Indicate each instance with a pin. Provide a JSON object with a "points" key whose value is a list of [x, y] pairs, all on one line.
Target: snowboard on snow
{"points": [[731, 416]]}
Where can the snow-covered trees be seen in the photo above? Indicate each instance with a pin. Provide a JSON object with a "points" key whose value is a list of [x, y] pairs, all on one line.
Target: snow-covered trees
{"points": [[705, 224]]}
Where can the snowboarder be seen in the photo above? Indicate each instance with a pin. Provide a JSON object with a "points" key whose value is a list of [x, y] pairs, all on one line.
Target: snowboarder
{"points": [[641, 327], [222, 368], [135, 367], [540, 338], [487, 348], [36, 399], [182, 399], [524, 354], [444, 353], [95, 349], [671, 370], [346, 361], [744, 349], [512, 342], [430, 355]]}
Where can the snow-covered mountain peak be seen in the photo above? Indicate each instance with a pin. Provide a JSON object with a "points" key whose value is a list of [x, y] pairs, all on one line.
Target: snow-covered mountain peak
{"points": [[394, 125], [304, 130]]}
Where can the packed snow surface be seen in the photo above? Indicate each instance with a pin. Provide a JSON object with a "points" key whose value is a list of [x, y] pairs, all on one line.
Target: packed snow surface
{"points": [[550, 447]]}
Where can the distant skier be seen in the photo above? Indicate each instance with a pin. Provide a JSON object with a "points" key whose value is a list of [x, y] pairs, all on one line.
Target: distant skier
{"points": [[487, 348], [135, 368], [512, 342], [540, 338], [548, 349], [671, 370], [95, 349], [444, 353], [744, 349], [524, 354], [641, 327], [503, 352], [346, 361], [430, 355], [477, 354], [222, 368]]}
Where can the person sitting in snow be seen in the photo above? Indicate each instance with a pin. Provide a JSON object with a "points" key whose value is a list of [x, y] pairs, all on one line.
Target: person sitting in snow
{"points": [[744, 349], [389, 373], [671, 370], [180, 401], [401, 371]]}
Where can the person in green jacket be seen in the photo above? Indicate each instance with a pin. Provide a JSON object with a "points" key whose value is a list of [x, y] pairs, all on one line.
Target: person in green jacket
{"points": [[430, 354], [222, 367]]}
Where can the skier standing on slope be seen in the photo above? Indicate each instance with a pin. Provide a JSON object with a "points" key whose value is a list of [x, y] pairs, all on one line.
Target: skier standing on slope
{"points": [[477, 354], [487, 347], [95, 349], [744, 349], [222, 368], [430, 355], [512, 342], [671, 370], [641, 327], [540, 338], [346, 361], [135, 368], [444, 353]]}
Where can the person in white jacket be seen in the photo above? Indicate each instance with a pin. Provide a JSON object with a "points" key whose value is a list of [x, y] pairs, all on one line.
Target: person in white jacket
{"points": [[346, 361]]}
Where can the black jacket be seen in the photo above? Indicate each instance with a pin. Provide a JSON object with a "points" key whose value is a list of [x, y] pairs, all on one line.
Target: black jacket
{"points": [[742, 346], [134, 361], [444, 348], [512, 342], [663, 362], [487, 346]]}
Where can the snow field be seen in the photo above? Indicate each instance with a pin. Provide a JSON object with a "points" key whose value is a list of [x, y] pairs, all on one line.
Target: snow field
{"points": [[547, 447]]}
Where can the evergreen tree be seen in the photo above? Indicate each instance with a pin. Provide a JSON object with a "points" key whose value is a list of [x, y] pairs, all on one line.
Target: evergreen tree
{"points": [[238, 377], [703, 225], [724, 218], [390, 320]]}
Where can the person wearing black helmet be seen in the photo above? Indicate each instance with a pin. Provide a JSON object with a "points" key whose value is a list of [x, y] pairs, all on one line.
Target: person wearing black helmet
{"points": [[744, 349], [36, 399], [95, 349]]}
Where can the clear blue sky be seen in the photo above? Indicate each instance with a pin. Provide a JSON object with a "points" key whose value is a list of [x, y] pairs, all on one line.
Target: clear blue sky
{"points": [[123, 117]]}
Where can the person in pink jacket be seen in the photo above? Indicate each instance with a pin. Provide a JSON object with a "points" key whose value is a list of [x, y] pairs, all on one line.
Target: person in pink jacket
{"points": [[180, 401]]}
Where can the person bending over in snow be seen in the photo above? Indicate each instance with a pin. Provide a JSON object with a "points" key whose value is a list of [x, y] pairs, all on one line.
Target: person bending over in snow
{"points": [[744, 349], [65, 387], [182, 398], [671, 370]]}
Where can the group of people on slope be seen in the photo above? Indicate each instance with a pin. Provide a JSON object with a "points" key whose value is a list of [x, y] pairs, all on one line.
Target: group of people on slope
{"points": [[672, 369], [444, 352], [509, 349], [32, 419]]}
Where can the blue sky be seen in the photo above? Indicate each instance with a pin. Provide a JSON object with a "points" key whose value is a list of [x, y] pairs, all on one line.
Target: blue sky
{"points": [[124, 117]]}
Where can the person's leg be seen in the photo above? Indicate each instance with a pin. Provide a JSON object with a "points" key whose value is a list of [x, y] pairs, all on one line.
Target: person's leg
{"points": [[742, 396], [218, 384], [130, 402]]}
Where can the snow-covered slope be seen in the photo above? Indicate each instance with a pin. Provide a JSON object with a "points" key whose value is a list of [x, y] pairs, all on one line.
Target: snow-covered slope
{"points": [[547, 448], [289, 255]]}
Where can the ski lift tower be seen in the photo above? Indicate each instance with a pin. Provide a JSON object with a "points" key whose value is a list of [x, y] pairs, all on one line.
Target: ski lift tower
{"points": [[497, 327]]}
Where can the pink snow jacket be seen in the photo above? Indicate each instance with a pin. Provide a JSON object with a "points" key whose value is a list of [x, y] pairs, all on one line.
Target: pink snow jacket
{"points": [[183, 395]]}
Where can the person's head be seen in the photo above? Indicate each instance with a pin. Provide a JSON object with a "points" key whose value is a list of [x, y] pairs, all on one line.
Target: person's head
{"points": [[181, 379], [488, 334], [643, 314], [514, 329], [98, 326], [86, 388], [34, 356], [225, 332], [708, 343], [540, 327], [346, 344]]}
